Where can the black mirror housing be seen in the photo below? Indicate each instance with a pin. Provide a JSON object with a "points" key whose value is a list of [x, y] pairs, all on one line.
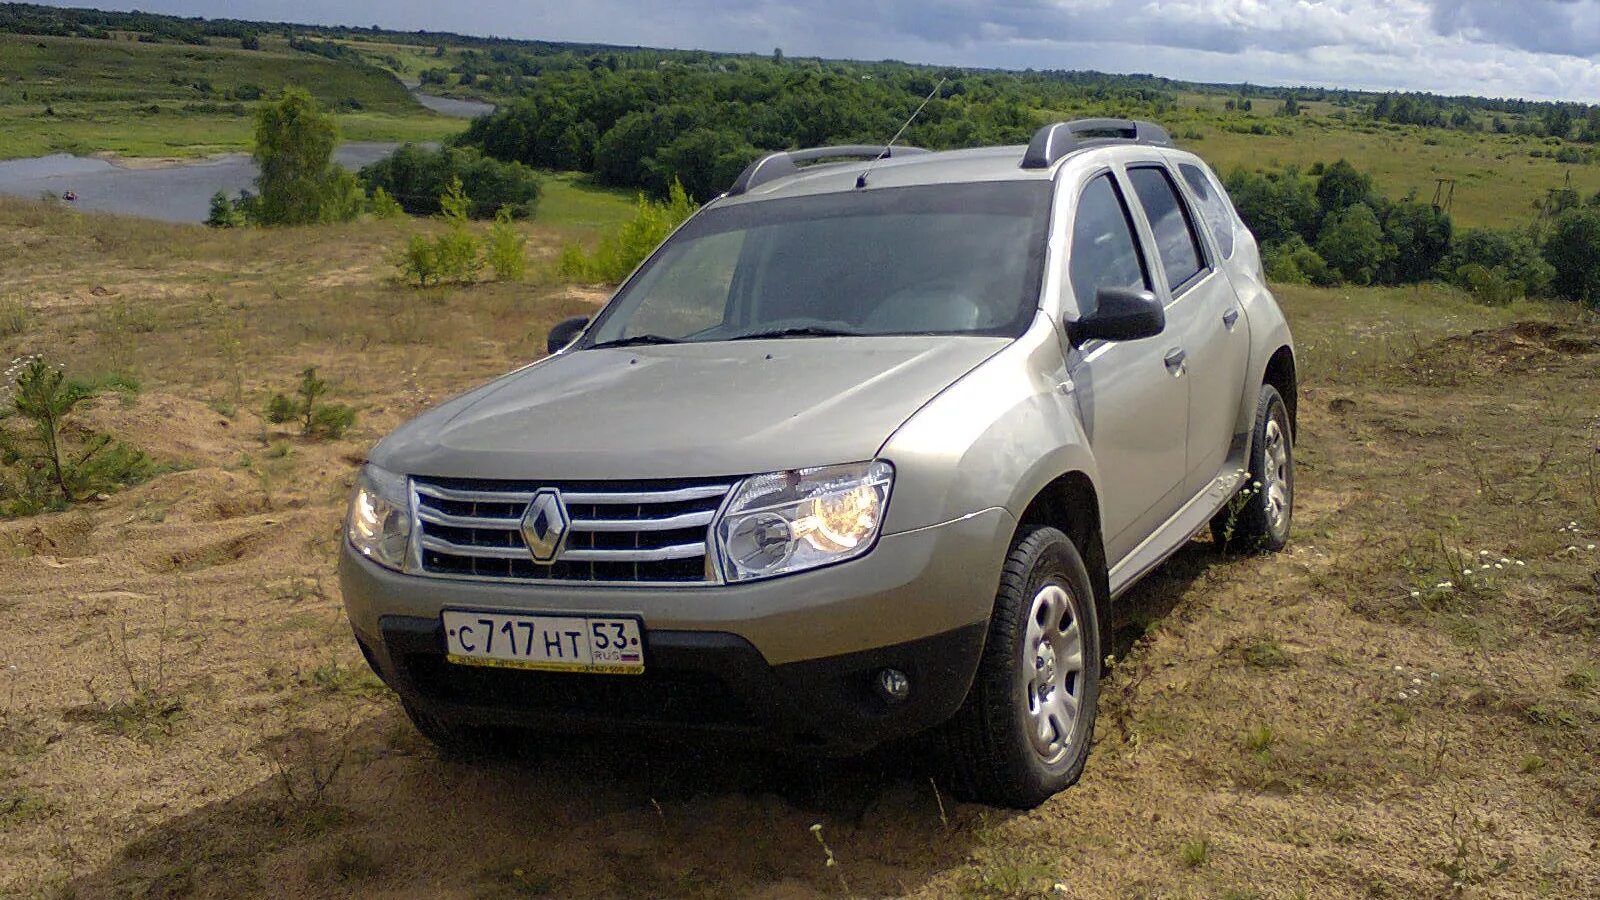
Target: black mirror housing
{"points": [[565, 332], [1121, 314]]}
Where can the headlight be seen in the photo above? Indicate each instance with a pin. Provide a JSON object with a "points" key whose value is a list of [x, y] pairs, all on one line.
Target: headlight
{"points": [[788, 521], [379, 525]]}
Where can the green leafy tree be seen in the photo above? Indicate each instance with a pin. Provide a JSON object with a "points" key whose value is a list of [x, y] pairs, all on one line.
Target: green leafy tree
{"points": [[1573, 251], [294, 143], [1342, 186], [1421, 237], [250, 41], [1352, 243]]}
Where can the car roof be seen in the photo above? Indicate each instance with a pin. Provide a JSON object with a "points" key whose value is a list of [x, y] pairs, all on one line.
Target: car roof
{"points": [[1038, 161]]}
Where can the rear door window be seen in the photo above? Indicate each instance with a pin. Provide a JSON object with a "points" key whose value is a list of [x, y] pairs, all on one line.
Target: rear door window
{"points": [[1104, 251], [1213, 208], [1176, 241]]}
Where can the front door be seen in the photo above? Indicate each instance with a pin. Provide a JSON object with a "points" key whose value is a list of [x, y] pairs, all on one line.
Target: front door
{"points": [[1134, 407]]}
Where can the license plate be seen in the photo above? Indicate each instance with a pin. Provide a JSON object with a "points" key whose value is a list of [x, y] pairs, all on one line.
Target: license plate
{"points": [[597, 644]]}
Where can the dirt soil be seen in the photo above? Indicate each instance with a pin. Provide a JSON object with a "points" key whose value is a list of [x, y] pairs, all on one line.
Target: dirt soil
{"points": [[183, 711]]}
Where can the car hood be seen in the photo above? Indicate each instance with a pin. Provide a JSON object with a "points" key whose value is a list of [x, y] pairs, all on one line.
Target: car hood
{"points": [[685, 410]]}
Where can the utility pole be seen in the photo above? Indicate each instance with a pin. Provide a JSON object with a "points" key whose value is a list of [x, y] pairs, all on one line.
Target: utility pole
{"points": [[1444, 193]]}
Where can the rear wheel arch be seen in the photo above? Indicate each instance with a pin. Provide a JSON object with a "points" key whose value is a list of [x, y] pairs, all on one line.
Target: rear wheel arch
{"points": [[1280, 373], [1071, 504]]}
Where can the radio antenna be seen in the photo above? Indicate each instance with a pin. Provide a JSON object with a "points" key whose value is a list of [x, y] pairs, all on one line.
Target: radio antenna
{"points": [[861, 180]]}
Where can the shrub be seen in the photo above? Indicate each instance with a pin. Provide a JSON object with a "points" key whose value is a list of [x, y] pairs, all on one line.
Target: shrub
{"points": [[343, 199], [619, 253], [317, 419], [224, 212], [1573, 252], [457, 249], [452, 255], [419, 262], [1293, 262], [14, 317], [44, 463], [505, 247], [1276, 206], [383, 206], [1512, 256]]}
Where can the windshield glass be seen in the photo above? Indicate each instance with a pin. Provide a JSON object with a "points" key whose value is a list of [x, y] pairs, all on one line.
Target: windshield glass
{"points": [[938, 259]]}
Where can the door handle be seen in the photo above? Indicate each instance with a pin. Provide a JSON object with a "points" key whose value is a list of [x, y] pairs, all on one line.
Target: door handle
{"points": [[1230, 317], [1174, 360]]}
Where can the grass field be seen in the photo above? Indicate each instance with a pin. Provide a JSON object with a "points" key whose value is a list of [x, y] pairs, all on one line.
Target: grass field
{"points": [[83, 96], [188, 716]]}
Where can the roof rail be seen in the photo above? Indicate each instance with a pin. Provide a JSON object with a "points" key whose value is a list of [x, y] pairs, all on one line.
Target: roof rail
{"points": [[1052, 142], [783, 163]]}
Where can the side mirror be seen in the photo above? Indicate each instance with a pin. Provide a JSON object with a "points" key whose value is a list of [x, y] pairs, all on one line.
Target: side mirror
{"points": [[565, 332], [1121, 314]]}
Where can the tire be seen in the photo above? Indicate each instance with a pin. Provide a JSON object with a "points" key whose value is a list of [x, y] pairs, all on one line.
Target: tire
{"points": [[990, 752], [1259, 516]]}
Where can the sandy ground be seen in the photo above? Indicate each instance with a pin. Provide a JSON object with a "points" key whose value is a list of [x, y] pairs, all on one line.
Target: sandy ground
{"points": [[183, 713]]}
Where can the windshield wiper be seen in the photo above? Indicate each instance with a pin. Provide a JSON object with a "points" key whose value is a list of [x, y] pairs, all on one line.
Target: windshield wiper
{"points": [[797, 331], [634, 340]]}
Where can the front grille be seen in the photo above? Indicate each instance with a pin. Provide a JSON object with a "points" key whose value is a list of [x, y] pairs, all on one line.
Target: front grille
{"points": [[657, 695], [632, 531]]}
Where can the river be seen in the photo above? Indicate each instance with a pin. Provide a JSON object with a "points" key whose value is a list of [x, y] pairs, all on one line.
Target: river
{"points": [[177, 191]]}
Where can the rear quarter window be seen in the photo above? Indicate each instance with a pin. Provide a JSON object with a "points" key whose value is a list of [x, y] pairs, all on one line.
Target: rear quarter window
{"points": [[1214, 208]]}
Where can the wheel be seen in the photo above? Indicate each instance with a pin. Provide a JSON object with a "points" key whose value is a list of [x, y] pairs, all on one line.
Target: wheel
{"points": [[451, 740], [1024, 732], [1258, 517]]}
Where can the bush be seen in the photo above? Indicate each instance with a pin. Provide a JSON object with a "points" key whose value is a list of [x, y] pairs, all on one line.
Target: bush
{"points": [[46, 464], [505, 247], [1512, 255], [419, 262], [317, 419], [621, 252], [1294, 262], [1353, 245], [452, 255], [224, 212], [383, 206], [343, 199], [416, 177], [1573, 252], [1276, 206]]}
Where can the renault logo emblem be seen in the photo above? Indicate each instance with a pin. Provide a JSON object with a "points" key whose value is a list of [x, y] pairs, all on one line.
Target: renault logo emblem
{"points": [[544, 525]]}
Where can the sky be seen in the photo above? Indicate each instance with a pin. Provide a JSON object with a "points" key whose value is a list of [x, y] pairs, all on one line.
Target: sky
{"points": [[1538, 49]]}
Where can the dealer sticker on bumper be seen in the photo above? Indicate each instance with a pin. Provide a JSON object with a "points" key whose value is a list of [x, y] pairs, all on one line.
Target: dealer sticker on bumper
{"points": [[598, 644]]}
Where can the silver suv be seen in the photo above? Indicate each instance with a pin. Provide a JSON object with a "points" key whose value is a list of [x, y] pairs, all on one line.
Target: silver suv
{"points": [[867, 449]]}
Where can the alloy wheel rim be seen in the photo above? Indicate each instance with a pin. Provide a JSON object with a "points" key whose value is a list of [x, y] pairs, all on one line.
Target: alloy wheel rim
{"points": [[1277, 474], [1052, 672]]}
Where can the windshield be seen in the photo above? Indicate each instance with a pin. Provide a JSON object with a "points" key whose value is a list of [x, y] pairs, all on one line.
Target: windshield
{"points": [[938, 259]]}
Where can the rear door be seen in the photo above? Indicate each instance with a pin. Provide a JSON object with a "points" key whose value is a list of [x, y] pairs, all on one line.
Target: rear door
{"points": [[1209, 339], [1134, 410]]}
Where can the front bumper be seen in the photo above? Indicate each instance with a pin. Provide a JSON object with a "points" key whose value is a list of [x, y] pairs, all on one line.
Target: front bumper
{"points": [[795, 655]]}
